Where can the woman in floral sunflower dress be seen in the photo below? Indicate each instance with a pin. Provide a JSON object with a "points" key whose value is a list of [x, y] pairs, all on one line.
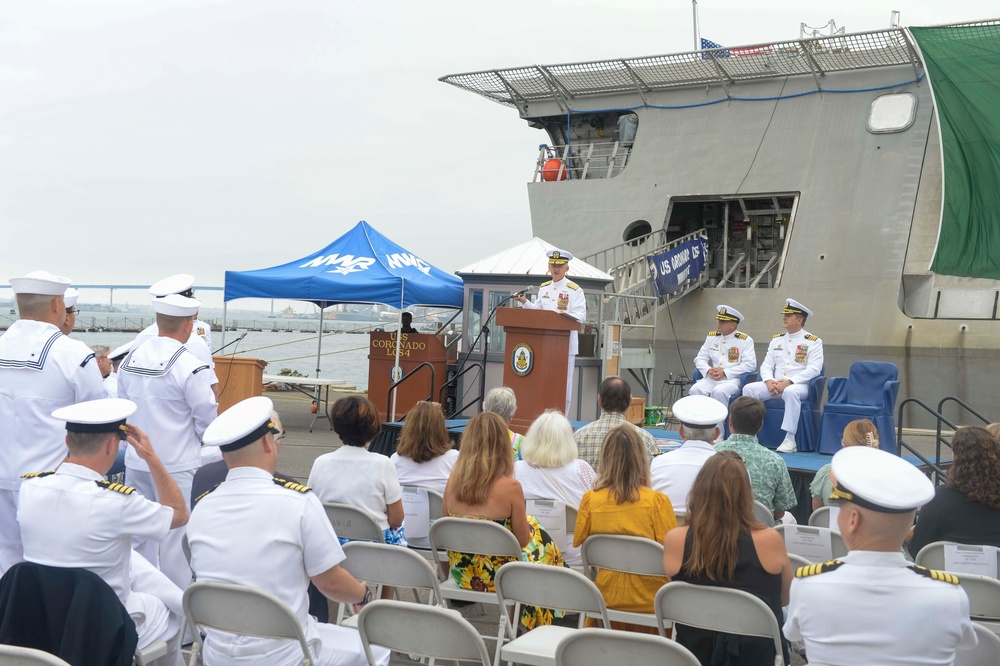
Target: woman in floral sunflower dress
{"points": [[482, 486]]}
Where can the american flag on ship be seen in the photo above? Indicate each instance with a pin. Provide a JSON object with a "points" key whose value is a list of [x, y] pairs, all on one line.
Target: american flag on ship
{"points": [[735, 52], [708, 44]]}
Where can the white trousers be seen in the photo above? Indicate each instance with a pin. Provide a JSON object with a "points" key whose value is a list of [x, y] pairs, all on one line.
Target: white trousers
{"points": [[11, 550], [340, 646], [569, 382], [154, 621], [793, 397], [720, 389], [168, 555]]}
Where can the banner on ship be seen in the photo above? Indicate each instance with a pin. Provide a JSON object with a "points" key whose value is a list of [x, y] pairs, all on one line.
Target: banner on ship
{"points": [[671, 269]]}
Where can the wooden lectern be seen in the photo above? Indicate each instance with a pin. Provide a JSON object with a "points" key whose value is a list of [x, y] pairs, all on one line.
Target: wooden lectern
{"points": [[536, 358], [239, 379], [416, 348]]}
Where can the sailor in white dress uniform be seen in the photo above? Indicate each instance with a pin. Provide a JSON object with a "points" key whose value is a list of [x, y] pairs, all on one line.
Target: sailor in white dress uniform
{"points": [[725, 356], [793, 359], [40, 370], [561, 295]]}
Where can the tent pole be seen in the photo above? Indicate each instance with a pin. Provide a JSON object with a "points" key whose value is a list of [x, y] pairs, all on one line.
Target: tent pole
{"points": [[225, 305], [319, 349], [399, 343]]}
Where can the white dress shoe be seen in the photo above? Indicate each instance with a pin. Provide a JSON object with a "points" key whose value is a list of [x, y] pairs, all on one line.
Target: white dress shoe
{"points": [[788, 446]]}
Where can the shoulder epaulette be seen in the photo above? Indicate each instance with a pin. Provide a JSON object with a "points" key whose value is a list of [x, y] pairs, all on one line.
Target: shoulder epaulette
{"points": [[712, 334], [811, 337], [291, 485], [813, 569], [572, 285], [545, 284], [934, 574], [116, 487], [202, 496], [37, 475], [742, 336], [777, 335]]}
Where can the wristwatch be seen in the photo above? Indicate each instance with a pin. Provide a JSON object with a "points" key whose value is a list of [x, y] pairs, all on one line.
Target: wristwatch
{"points": [[368, 597]]}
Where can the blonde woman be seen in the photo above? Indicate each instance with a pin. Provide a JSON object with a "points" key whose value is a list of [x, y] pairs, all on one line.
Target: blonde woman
{"points": [[857, 433]]}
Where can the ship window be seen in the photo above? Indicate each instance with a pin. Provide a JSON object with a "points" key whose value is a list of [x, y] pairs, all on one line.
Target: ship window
{"points": [[636, 230], [892, 113]]}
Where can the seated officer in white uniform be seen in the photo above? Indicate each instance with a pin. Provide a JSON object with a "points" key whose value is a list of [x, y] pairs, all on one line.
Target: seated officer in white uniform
{"points": [[264, 532], [724, 357], [873, 606], [72, 517], [561, 295], [793, 359], [673, 473]]}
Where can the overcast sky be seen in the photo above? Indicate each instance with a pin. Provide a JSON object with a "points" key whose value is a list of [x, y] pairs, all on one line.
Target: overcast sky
{"points": [[144, 138]]}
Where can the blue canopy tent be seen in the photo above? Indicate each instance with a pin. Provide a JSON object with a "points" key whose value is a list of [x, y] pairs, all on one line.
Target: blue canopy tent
{"points": [[362, 266]]}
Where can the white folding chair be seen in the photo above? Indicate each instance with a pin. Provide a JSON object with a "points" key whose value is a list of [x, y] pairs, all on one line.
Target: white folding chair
{"points": [[717, 609], [792, 533], [352, 522], [821, 517], [763, 514], [550, 587], [11, 655], [984, 599], [381, 564], [932, 555], [798, 561], [478, 537], [240, 609], [599, 647], [986, 653], [434, 499], [415, 629], [624, 554], [569, 522]]}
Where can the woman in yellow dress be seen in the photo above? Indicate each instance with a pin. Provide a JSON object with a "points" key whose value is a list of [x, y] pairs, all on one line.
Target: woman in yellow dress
{"points": [[623, 503]]}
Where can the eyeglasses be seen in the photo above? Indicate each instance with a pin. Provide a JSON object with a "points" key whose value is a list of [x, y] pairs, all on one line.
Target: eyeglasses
{"points": [[280, 436], [74, 311]]}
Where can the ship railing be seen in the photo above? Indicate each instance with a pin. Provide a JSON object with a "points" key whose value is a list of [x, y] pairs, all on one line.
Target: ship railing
{"points": [[622, 253], [581, 161], [940, 475], [939, 438]]}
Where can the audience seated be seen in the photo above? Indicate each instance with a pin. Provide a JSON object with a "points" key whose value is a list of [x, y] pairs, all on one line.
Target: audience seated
{"points": [[614, 397], [482, 486], [550, 468], [503, 402], [623, 503], [861, 432], [723, 545], [967, 508]]}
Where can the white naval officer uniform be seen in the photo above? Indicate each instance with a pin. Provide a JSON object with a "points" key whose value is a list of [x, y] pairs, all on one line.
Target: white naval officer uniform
{"points": [[175, 406], [41, 370], [74, 518], [797, 357], [734, 353], [199, 344], [876, 608], [253, 530], [567, 297]]}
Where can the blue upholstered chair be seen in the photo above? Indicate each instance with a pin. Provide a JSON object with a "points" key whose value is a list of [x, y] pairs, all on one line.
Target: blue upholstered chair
{"points": [[745, 379], [807, 436], [868, 393]]}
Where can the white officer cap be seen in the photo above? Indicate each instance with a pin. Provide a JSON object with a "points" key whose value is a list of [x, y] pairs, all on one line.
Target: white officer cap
{"points": [[175, 284], [796, 308], [242, 424], [105, 415], [559, 257], [699, 411], [40, 282], [120, 351], [878, 480], [71, 297], [176, 305], [727, 313]]}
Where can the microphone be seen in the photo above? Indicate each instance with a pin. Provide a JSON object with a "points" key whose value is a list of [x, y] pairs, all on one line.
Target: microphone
{"points": [[526, 290]]}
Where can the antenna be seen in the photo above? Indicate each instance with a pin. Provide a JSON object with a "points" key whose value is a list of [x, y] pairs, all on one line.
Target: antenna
{"points": [[894, 19], [807, 31]]}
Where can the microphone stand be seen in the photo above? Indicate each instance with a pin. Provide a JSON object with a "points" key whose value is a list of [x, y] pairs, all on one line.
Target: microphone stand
{"points": [[485, 330]]}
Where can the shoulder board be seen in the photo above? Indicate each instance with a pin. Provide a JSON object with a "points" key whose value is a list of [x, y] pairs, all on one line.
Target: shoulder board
{"points": [[934, 574], [813, 569], [811, 337], [712, 334], [116, 487], [572, 285], [545, 284], [742, 336], [202, 496], [37, 475], [291, 485], [777, 335]]}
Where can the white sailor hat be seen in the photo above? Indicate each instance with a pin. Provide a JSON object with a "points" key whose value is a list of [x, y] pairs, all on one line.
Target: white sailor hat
{"points": [[40, 282], [242, 424], [176, 305], [559, 257], [796, 308], [71, 297], [105, 415], [120, 351], [699, 411], [175, 284], [878, 480], [727, 313]]}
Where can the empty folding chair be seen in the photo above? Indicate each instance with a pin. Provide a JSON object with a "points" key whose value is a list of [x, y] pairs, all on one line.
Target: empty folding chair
{"points": [[717, 609], [810, 542], [11, 655], [469, 535], [550, 587], [624, 554], [986, 652], [763, 514], [599, 647], [934, 556], [352, 522], [415, 629]]}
